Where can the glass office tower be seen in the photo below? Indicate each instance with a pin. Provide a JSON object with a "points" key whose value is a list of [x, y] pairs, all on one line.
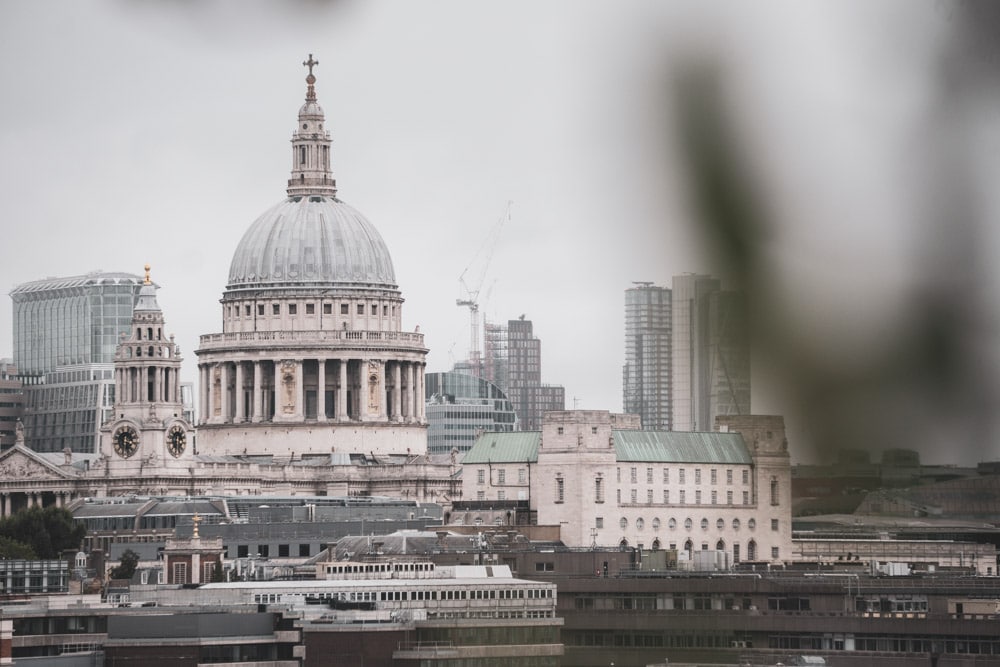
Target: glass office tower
{"points": [[65, 334], [460, 406]]}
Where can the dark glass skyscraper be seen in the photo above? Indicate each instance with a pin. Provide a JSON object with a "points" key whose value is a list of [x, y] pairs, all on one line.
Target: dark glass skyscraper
{"points": [[646, 377]]}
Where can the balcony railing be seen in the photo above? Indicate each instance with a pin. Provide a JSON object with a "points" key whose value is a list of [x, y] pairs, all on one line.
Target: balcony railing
{"points": [[341, 338]]}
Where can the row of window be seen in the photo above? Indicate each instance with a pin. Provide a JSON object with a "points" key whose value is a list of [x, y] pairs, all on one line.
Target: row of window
{"points": [[682, 475], [417, 595], [655, 524], [293, 309], [682, 497], [264, 551], [522, 476]]}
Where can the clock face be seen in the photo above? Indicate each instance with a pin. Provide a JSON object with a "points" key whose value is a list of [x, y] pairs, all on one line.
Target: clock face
{"points": [[176, 440], [126, 441]]}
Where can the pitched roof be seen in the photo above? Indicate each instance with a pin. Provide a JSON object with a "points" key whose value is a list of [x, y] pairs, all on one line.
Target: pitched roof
{"points": [[515, 447], [681, 447], [639, 446]]}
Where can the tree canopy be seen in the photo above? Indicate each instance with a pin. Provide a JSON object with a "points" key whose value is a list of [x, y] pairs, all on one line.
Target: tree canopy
{"points": [[46, 532], [126, 565]]}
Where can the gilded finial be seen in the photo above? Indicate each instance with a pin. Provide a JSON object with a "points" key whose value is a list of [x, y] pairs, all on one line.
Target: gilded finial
{"points": [[195, 520], [310, 93], [147, 281]]}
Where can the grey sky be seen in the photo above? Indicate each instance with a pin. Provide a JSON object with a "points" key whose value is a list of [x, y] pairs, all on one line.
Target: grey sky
{"points": [[157, 132]]}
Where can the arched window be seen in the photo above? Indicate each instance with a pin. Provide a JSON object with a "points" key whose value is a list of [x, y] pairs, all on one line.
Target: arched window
{"points": [[720, 546], [623, 523], [656, 523], [704, 524], [672, 523], [720, 524], [736, 524], [656, 544], [688, 523], [752, 550], [640, 523], [623, 544], [688, 546]]}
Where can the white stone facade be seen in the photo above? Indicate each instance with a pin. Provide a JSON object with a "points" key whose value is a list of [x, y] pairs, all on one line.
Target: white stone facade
{"points": [[578, 482]]}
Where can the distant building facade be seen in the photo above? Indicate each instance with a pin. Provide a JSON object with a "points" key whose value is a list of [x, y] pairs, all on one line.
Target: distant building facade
{"points": [[512, 360], [606, 482], [460, 406], [11, 403], [687, 354], [646, 377], [710, 352], [65, 334]]}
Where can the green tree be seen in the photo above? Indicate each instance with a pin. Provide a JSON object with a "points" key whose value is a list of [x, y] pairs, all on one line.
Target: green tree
{"points": [[12, 549], [126, 565], [48, 531], [217, 573]]}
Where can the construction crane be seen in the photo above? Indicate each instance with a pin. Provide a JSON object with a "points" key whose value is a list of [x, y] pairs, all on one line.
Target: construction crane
{"points": [[470, 293]]}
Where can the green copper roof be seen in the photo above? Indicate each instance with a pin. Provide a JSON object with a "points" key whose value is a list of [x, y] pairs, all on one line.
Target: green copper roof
{"points": [[680, 447], [517, 447]]}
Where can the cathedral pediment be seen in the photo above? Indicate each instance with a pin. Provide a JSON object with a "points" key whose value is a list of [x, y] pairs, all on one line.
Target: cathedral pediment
{"points": [[20, 463]]}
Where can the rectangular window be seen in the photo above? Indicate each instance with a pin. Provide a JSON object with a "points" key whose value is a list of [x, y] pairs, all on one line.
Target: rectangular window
{"points": [[242, 550], [560, 489], [361, 309], [501, 495], [729, 497], [304, 551], [680, 476], [520, 476], [635, 495], [501, 476], [260, 309], [598, 490], [343, 309], [599, 522], [180, 573], [618, 496], [480, 476], [374, 309], [385, 311], [697, 475], [282, 551], [263, 550], [480, 495], [246, 310], [593, 430], [774, 524], [310, 309], [714, 476], [649, 496], [683, 496], [619, 473], [697, 497], [302, 154], [559, 430], [666, 496], [633, 475], [649, 475], [774, 553], [328, 309], [729, 476], [746, 497], [715, 497], [293, 309], [746, 476], [666, 475], [275, 309]]}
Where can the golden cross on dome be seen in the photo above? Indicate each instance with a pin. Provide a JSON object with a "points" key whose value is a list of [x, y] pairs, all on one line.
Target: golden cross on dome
{"points": [[310, 63], [195, 520]]}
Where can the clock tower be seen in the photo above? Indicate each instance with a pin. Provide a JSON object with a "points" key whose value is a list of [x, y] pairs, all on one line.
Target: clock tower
{"points": [[147, 431]]}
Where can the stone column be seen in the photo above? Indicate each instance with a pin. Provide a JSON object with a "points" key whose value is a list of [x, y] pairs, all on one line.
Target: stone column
{"points": [[321, 390], [143, 383], [382, 407], [240, 415], [209, 394], [300, 392], [277, 391], [408, 408], [6, 504], [258, 407], [397, 393], [224, 390], [419, 398], [342, 392]]}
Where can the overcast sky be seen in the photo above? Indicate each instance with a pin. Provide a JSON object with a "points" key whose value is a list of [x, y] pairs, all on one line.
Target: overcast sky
{"points": [[157, 132]]}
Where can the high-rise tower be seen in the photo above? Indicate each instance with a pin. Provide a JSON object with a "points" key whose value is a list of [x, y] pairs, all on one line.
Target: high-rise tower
{"points": [[646, 377]]}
